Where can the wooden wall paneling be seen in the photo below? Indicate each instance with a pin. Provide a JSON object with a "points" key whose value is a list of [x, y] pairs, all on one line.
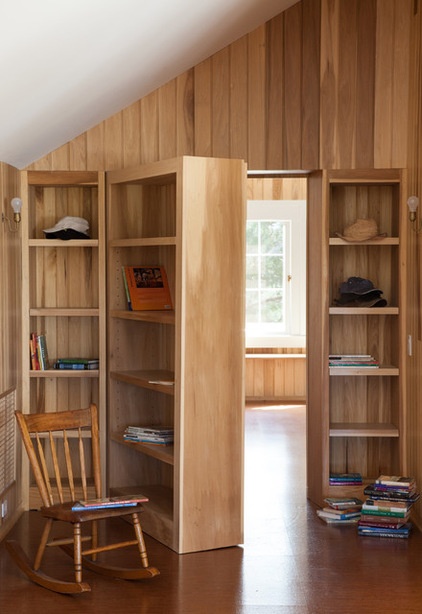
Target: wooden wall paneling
{"points": [[292, 111], [310, 105], [275, 93], [256, 99], [131, 119], [167, 120], [329, 81], [113, 142], [238, 111], [78, 153], [96, 148], [149, 128], [402, 16], [390, 142], [365, 79], [185, 113], [346, 85], [202, 109], [220, 109], [60, 158]]}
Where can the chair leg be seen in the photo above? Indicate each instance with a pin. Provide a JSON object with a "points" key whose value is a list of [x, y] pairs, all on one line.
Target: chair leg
{"points": [[140, 540], [41, 548], [77, 551]]}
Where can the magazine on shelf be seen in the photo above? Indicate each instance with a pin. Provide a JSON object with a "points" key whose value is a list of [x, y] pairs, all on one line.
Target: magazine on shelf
{"points": [[147, 288]]}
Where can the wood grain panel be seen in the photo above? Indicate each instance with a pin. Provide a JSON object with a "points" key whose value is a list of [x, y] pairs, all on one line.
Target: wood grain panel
{"points": [[202, 96], [220, 104], [292, 107], [365, 79], [311, 41], [131, 120], [167, 120], [256, 99], [329, 83], [185, 114], [239, 99], [275, 92]]}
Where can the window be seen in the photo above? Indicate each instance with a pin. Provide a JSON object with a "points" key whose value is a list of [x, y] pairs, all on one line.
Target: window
{"points": [[276, 274]]}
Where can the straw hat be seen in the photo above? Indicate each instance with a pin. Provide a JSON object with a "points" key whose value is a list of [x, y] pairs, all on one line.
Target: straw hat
{"points": [[361, 230]]}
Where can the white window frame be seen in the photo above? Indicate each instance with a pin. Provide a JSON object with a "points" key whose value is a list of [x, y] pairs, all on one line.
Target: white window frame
{"points": [[293, 211]]}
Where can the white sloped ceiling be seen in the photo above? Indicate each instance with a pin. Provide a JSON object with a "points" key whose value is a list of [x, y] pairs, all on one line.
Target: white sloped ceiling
{"points": [[66, 65]]}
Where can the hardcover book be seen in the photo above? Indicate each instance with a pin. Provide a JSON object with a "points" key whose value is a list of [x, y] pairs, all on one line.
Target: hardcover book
{"points": [[147, 288]]}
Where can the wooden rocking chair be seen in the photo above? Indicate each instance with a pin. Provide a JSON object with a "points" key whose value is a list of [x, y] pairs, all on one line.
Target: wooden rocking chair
{"points": [[45, 436]]}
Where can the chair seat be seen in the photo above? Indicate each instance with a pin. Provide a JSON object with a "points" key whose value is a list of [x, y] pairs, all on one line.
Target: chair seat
{"points": [[64, 512]]}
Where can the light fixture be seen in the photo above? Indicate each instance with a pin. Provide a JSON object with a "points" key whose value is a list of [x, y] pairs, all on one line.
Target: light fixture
{"points": [[16, 204], [412, 203]]}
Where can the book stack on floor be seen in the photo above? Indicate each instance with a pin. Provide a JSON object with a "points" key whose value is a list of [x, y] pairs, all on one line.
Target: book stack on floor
{"points": [[386, 511], [353, 360], [341, 511], [77, 363], [345, 479], [158, 435]]}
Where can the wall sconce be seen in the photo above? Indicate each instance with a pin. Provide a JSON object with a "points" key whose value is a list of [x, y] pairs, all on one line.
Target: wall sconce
{"points": [[16, 204], [413, 203]]}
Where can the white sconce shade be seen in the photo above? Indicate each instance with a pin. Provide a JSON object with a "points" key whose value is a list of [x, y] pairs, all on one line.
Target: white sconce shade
{"points": [[412, 203], [16, 204]]}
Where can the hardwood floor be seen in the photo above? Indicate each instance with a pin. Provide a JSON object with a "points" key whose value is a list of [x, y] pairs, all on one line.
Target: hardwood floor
{"points": [[290, 562]]}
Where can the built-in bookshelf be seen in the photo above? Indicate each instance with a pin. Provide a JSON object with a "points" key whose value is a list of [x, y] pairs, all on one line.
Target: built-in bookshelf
{"points": [[182, 368], [356, 415], [63, 295]]}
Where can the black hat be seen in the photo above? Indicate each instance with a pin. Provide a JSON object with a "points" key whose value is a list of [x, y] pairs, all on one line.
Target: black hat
{"points": [[358, 285]]}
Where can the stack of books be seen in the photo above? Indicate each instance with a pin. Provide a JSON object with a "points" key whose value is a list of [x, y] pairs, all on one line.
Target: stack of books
{"points": [[77, 363], [38, 352], [158, 435], [352, 360], [341, 511], [386, 511], [345, 479]]}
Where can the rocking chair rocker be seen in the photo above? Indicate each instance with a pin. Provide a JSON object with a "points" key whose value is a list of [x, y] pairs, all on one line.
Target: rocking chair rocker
{"points": [[58, 431]]}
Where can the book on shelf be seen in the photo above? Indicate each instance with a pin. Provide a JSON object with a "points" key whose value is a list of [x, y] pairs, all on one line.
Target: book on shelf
{"points": [[150, 434], [77, 363], [38, 352], [109, 502], [147, 288], [352, 360]]}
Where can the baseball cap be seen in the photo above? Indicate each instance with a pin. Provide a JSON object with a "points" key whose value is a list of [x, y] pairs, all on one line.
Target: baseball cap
{"points": [[68, 227]]}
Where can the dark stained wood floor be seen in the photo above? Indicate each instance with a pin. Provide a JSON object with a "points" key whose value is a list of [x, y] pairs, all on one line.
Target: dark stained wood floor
{"points": [[290, 562]]}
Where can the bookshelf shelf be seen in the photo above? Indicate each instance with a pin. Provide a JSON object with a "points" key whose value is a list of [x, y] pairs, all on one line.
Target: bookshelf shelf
{"points": [[156, 215], [63, 294], [147, 379], [362, 410], [363, 430], [163, 453]]}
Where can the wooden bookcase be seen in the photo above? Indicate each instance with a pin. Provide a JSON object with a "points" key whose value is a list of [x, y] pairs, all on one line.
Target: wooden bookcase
{"points": [[63, 295], [187, 214], [356, 416]]}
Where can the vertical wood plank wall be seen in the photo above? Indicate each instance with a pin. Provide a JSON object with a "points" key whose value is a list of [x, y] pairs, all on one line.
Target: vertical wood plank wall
{"points": [[10, 284], [326, 84]]}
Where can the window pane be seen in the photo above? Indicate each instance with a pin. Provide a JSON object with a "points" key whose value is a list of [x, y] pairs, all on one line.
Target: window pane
{"points": [[272, 271], [272, 306], [252, 275], [252, 307], [252, 229], [272, 236]]}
